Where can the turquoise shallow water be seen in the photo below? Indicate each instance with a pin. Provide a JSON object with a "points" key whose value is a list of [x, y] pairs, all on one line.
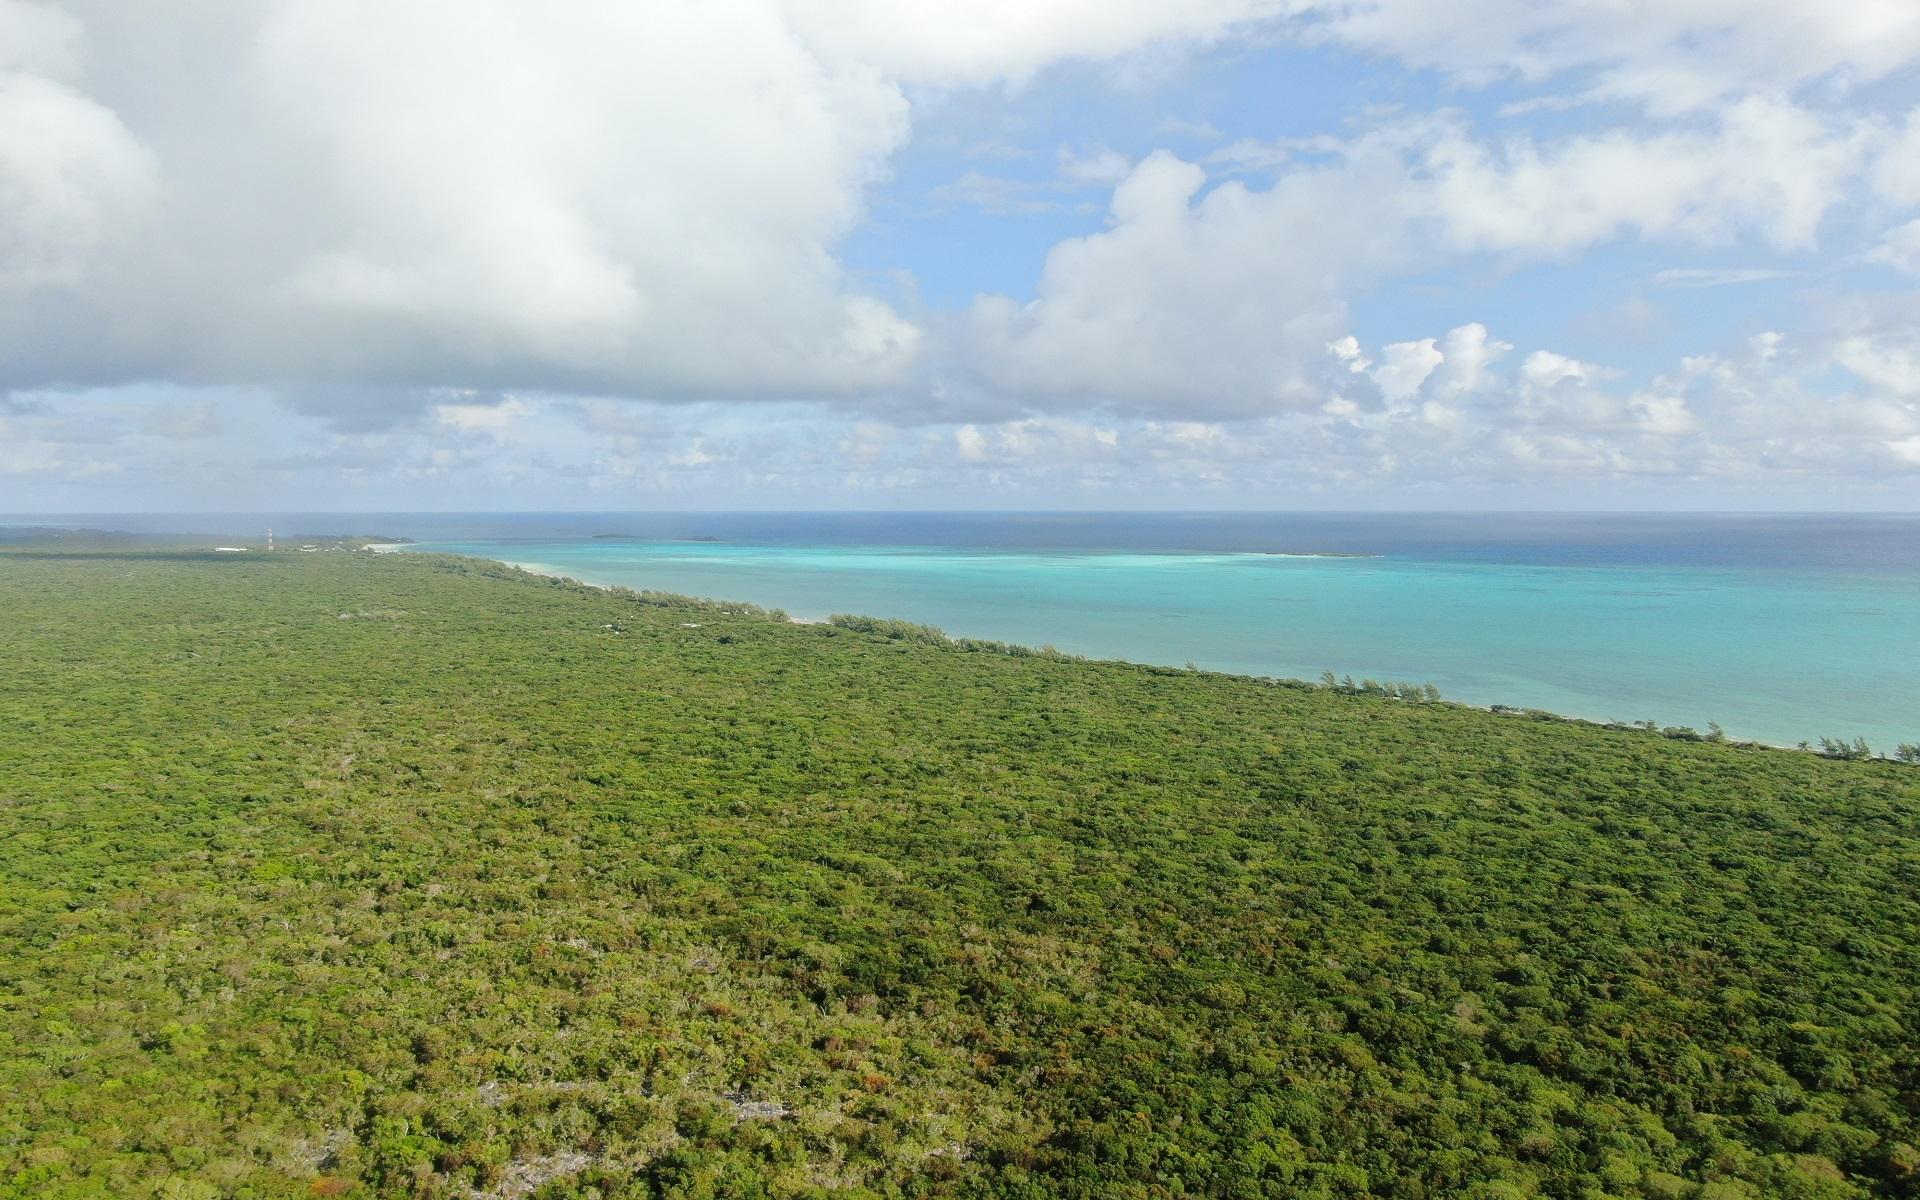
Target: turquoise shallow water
{"points": [[1773, 653], [1781, 626]]}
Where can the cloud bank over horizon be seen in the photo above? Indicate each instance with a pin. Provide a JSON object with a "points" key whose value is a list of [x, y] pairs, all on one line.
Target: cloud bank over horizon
{"points": [[768, 252]]}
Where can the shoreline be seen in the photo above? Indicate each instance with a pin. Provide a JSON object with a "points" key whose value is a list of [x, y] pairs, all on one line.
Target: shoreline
{"points": [[546, 572], [1347, 686]]}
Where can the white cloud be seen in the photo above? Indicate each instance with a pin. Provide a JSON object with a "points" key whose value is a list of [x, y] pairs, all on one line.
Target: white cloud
{"points": [[1405, 366], [695, 455], [1102, 166], [1899, 248], [1466, 353], [1224, 300], [545, 218], [1191, 436], [1667, 415], [1699, 277], [39, 39], [1768, 418], [988, 40], [73, 181], [1765, 407], [1076, 175], [868, 440], [1544, 369], [349, 207], [481, 418], [1890, 362], [370, 208], [1673, 55], [1897, 171], [1764, 166], [1200, 131], [471, 194], [1764, 410], [969, 444], [1042, 439], [483, 193], [1347, 350], [1215, 303]]}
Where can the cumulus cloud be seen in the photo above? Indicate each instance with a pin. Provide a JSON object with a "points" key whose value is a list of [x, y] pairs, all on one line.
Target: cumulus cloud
{"points": [[1544, 370], [1767, 418], [1218, 303], [434, 229], [39, 39], [1827, 405], [1753, 416], [648, 198], [619, 198], [1405, 366], [72, 182], [1220, 300], [1467, 352], [478, 194]]}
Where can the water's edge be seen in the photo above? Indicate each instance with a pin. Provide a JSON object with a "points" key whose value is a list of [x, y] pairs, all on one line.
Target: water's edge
{"points": [[1702, 728]]}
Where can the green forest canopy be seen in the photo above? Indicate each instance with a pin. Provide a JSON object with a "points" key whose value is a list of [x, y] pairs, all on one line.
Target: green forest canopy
{"points": [[390, 875]]}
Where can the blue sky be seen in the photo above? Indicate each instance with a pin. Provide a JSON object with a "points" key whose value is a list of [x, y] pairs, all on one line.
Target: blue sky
{"points": [[780, 253]]}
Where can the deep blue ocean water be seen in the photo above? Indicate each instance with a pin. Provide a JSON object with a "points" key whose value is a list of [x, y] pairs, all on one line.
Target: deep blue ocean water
{"points": [[1779, 627]]}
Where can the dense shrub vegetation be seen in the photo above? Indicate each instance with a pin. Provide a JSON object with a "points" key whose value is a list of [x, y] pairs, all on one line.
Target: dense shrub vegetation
{"points": [[356, 875]]}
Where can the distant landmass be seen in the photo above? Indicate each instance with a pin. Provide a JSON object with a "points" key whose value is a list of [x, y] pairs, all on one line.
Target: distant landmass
{"points": [[84, 538]]}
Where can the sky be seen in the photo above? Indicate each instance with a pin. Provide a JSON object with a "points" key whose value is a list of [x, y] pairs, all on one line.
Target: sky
{"points": [[852, 254]]}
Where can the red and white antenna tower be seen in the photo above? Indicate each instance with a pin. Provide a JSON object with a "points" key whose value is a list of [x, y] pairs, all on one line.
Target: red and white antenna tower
{"points": [[269, 539]]}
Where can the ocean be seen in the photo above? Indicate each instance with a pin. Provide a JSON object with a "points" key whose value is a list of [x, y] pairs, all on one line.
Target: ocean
{"points": [[1781, 628]]}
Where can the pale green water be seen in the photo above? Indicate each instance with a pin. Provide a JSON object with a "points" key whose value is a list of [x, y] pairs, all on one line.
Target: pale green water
{"points": [[1775, 655]]}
